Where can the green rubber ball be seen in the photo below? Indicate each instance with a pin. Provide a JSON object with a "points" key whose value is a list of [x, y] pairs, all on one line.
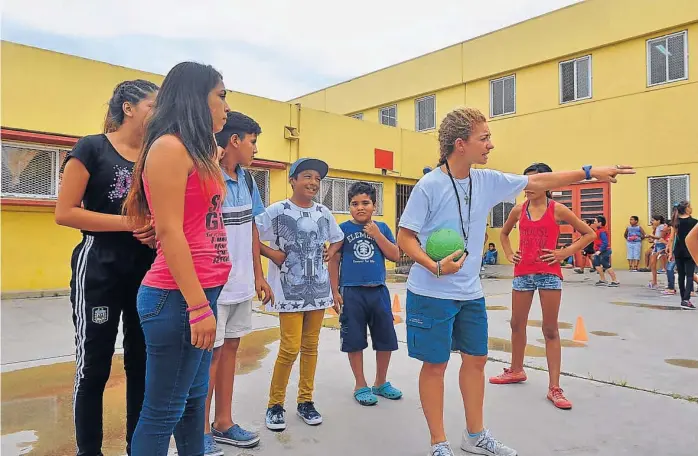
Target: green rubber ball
{"points": [[441, 243]]}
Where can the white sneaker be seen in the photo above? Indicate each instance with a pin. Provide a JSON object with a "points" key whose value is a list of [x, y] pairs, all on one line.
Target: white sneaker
{"points": [[485, 444], [441, 449]]}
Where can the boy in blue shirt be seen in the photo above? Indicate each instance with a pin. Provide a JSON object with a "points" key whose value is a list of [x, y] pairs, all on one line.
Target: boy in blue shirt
{"points": [[490, 255], [357, 275]]}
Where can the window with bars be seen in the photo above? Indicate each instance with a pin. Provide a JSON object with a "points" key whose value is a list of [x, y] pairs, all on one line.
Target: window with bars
{"points": [[500, 213], [667, 59], [358, 115], [575, 79], [591, 202], [334, 194], [425, 113], [31, 171], [388, 116], [664, 192], [503, 96], [261, 178]]}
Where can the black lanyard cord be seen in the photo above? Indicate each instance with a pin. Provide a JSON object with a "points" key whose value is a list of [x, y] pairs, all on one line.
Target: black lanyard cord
{"points": [[460, 212]]}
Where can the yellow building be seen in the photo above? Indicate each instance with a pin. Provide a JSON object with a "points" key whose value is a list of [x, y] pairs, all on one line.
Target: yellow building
{"points": [[599, 82], [51, 99]]}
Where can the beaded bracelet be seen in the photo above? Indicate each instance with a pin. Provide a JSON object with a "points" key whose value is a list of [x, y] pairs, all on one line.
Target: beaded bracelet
{"points": [[438, 269], [201, 317], [192, 309]]}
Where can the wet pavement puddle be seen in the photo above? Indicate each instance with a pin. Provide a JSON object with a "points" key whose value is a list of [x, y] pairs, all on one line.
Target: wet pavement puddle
{"points": [[689, 363], [539, 324], [566, 343], [504, 345], [603, 333], [37, 416], [645, 306], [497, 307]]}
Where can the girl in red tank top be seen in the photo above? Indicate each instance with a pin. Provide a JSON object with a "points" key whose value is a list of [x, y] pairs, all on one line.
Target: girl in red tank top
{"points": [[537, 266]]}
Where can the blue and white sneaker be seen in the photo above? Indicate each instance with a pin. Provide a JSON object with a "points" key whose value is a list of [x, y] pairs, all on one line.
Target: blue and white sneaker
{"points": [[236, 436], [275, 418], [441, 449], [485, 444], [210, 446], [309, 414]]}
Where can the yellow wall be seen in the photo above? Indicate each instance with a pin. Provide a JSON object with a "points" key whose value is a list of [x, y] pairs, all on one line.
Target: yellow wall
{"points": [[36, 252]]}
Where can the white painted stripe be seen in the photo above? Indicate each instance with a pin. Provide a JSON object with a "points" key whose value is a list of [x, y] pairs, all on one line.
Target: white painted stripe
{"points": [[80, 316]]}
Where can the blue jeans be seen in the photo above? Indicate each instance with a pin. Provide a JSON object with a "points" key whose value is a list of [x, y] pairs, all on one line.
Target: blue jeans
{"points": [[670, 275], [176, 376]]}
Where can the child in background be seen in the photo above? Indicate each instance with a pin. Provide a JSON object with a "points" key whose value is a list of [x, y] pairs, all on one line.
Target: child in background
{"points": [[681, 225], [634, 234], [298, 229], [659, 235], [363, 299], [537, 267], [490, 257], [602, 253], [587, 254]]}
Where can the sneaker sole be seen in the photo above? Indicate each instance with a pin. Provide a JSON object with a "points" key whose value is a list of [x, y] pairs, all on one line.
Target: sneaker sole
{"points": [[688, 308], [276, 427], [217, 453], [238, 443], [479, 451], [508, 383], [559, 407], [314, 422]]}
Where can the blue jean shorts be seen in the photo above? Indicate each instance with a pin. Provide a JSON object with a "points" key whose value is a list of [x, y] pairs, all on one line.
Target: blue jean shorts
{"points": [[659, 246], [435, 327], [634, 249], [533, 282], [603, 259]]}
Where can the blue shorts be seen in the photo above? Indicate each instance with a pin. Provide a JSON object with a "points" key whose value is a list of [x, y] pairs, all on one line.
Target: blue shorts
{"points": [[603, 259], [533, 282], [436, 326], [366, 307], [633, 249], [658, 247]]}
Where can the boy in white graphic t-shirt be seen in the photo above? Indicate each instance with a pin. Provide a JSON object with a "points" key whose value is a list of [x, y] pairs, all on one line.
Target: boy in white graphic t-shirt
{"points": [[237, 146]]}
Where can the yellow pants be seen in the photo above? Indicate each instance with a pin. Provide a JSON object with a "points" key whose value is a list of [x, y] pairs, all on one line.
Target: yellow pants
{"points": [[300, 331]]}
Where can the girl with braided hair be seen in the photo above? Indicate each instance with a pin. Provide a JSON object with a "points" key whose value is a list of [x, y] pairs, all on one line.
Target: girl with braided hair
{"points": [[110, 261]]}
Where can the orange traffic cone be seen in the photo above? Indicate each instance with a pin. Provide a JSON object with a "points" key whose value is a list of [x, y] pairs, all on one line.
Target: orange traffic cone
{"points": [[396, 305], [580, 332]]}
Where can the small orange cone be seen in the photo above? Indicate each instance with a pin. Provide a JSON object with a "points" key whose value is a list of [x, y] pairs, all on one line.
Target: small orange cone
{"points": [[580, 332], [396, 305]]}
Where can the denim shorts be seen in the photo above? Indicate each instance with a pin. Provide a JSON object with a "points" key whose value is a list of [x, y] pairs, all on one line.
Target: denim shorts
{"points": [[603, 259], [366, 308], [634, 249], [435, 327], [658, 247], [533, 282]]}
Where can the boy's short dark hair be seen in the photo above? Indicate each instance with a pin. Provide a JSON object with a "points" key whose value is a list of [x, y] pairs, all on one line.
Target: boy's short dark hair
{"points": [[492, 244], [589, 221], [237, 124], [357, 188], [601, 219], [635, 217]]}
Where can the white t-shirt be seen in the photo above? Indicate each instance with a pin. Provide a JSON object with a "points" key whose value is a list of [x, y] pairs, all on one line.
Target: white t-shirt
{"points": [[303, 282], [432, 205]]}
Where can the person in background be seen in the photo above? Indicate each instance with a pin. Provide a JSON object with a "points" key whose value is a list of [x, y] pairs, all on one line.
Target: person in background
{"points": [[110, 261], [602, 253], [681, 225], [491, 253], [178, 182], [587, 254], [634, 234], [659, 235], [692, 246]]}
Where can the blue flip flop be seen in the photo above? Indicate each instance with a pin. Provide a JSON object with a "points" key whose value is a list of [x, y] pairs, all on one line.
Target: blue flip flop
{"points": [[388, 391], [365, 396]]}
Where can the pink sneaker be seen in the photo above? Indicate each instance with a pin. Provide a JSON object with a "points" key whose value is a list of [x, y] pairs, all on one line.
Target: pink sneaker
{"points": [[558, 399], [508, 377]]}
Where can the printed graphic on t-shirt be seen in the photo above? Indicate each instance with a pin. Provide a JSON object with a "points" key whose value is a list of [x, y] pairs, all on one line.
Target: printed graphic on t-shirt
{"points": [[215, 232], [363, 247], [304, 277], [533, 240], [121, 184]]}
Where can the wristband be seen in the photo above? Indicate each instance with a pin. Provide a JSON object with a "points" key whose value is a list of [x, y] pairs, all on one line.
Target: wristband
{"points": [[192, 309], [587, 171], [201, 317], [438, 269]]}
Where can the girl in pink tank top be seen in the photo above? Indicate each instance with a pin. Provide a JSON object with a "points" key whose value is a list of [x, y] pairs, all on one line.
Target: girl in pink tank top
{"points": [[537, 266], [178, 184]]}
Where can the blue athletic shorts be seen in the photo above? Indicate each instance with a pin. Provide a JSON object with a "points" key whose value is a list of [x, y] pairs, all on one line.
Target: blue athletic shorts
{"points": [[533, 282], [603, 259], [366, 307], [436, 326]]}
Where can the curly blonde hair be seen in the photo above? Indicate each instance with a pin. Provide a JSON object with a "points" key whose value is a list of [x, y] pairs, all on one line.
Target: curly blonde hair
{"points": [[458, 123]]}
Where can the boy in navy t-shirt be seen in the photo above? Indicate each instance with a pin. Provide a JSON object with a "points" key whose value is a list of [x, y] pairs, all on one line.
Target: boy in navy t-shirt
{"points": [[357, 275]]}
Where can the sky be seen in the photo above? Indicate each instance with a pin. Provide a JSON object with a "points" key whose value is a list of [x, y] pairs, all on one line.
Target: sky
{"points": [[278, 49]]}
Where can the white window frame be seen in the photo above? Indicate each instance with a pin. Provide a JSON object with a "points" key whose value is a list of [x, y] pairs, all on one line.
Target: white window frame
{"points": [[589, 79], [492, 82], [265, 195], [348, 183], [669, 205], [358, 116], [416, 112], [57, 170], [504, 219], [648, 52], [380, 115]]}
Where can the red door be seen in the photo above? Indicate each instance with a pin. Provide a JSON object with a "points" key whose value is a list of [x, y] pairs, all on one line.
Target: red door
{"points": [[586, 200]]}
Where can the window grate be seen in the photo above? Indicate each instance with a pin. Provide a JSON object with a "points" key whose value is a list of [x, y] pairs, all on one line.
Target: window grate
{"points": [[425, 113], [664, 192], [388, 116], [667, 59], [261, 178], [503, 96], [500, 213], [334, 194], [30, 171], [575, 79]]}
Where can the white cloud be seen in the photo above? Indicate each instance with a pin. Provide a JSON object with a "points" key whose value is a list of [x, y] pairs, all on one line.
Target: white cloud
{"points": [[360, 36]]}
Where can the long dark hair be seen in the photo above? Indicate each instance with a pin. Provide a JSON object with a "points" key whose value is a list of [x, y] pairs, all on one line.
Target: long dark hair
{"points": [[540, 168], [679, 209], [126, 92], [181, 109]]}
